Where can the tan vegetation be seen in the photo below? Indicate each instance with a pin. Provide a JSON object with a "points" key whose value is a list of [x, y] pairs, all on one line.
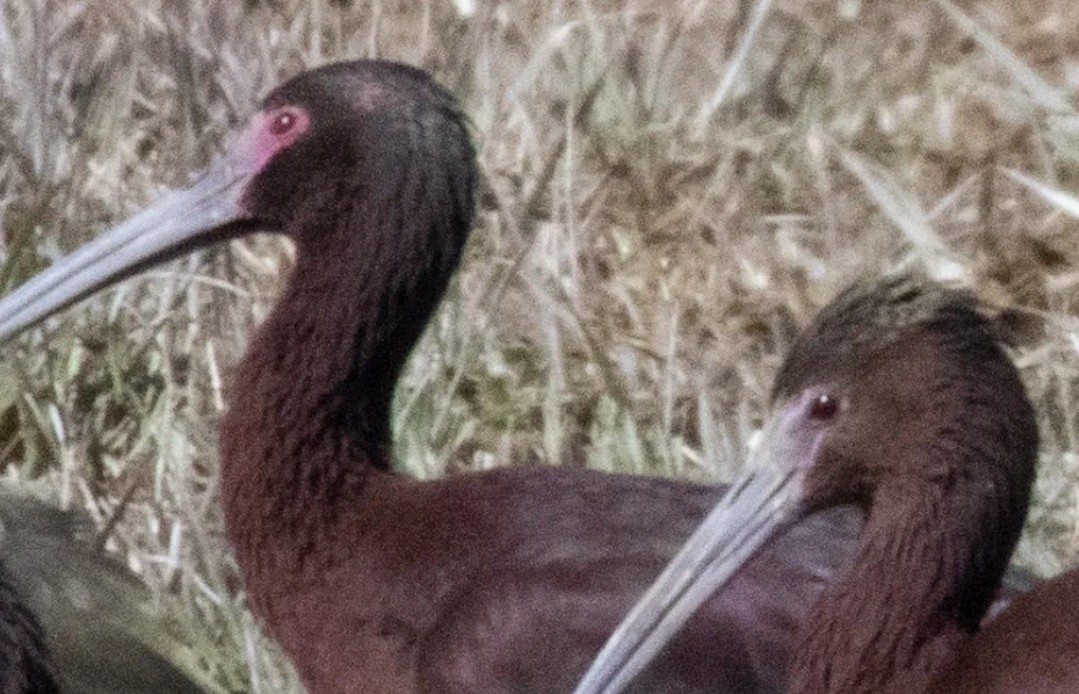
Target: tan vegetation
{"points": [[671, 189]]}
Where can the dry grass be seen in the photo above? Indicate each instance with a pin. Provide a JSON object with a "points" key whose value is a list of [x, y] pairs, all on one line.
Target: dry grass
{"points": [[658, 218]]}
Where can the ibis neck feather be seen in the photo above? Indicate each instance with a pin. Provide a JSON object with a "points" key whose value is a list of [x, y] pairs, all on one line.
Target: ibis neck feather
{"points": [[308, 430], [906, 602]]}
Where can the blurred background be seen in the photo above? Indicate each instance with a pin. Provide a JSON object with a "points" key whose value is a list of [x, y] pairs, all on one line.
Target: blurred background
{"points": [[670, 190]]}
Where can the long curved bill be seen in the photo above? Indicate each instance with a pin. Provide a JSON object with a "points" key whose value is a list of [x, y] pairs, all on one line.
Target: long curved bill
{"points": [[177, 223], [757, 507]]}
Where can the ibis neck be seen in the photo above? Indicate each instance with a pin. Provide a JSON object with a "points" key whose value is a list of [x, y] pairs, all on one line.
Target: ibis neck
{"points": [[308, 430], [915, 589]]}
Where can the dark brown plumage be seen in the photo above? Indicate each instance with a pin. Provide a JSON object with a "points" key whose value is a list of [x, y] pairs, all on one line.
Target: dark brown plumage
{"points": [[1033, 646], [900, 400], [505, 581]]}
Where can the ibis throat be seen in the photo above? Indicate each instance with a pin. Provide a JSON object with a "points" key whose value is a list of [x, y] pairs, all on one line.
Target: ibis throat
{"points": [[857, 617], [856, 640], [308, 428]]}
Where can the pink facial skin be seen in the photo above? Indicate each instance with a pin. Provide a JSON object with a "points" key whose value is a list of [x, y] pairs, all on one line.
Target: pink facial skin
{"points": [[801, 424], [269, 132]]}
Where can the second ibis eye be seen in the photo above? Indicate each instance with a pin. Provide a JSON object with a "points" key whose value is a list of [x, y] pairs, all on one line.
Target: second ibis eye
{"points": [[824, 407]]}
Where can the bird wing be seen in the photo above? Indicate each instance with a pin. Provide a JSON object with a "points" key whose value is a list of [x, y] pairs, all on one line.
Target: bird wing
{"points": [[102, 634], [533, 621]]}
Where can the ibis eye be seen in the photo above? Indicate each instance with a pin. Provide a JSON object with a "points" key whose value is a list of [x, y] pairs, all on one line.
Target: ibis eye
{"points": [[824, 407], [282, 123], [285, 124]]}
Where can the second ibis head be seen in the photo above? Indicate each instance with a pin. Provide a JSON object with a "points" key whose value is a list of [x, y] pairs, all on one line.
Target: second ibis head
{"points": [[899, 398]]}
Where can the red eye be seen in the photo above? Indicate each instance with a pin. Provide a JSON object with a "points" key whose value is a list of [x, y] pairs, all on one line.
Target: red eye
{"points": [[283, 122], [286, 123], [272, 131], [824, 407]]}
